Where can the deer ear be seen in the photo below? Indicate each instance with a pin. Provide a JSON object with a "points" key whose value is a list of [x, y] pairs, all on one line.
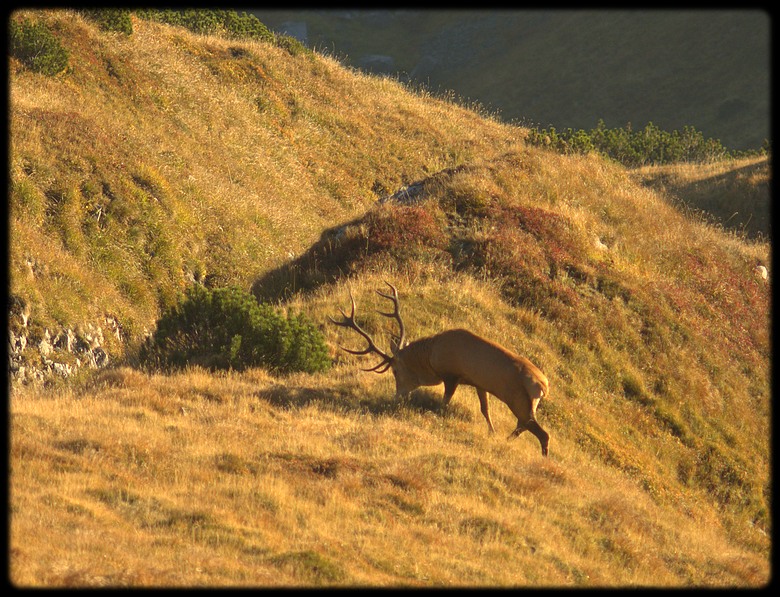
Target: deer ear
{"points": [[394, 344]]}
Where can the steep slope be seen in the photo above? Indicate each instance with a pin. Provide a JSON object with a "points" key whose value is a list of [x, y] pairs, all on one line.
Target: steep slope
{"points": [[242, 164], [162, 157], [198, 479], [654, 326]]}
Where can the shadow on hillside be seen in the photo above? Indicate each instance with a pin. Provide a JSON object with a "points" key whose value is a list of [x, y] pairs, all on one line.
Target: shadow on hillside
{"points": [[339, 248], [728, 198], [328, 259], [351, 400]]}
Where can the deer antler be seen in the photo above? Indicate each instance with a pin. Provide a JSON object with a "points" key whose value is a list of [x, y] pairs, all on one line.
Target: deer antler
{"points": [[396, 314], [349, 322]]}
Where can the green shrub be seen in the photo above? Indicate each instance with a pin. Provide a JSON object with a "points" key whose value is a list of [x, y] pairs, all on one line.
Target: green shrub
{"points": [[227, 328], [650, 145], [245, 26], [212, 22], [197, 21], [291, 45], [111, 19], [227, 23], [35, 46]]}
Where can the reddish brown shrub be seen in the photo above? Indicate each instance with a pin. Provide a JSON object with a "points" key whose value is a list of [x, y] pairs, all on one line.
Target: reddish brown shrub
{"points": [[396, 228]]}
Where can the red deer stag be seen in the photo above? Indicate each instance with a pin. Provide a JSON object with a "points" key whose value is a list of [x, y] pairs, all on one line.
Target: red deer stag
{"points": [[459, 357]]}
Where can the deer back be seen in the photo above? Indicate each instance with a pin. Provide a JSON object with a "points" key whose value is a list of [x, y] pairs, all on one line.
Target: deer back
{"points": [[476, 361]]}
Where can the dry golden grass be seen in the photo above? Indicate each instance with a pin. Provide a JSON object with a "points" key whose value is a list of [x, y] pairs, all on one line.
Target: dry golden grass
{"points": [[242, 480], [235, 154], [240, 156], [202, 479]]}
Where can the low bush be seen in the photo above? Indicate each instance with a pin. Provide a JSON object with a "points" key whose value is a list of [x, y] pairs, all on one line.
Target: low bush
{"points": [[291, 45], [111, 19], [212, 22], [227, 23], [647, 146], [226, 328], [35, 46]]}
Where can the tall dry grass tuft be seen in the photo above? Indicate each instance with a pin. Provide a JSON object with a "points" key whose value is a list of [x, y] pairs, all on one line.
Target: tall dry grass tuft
{"points": [[734, 193]]}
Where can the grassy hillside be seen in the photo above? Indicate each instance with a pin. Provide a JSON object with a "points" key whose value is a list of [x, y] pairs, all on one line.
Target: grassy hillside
{"points": [[164, 157], [571, 68], [161, 157]]}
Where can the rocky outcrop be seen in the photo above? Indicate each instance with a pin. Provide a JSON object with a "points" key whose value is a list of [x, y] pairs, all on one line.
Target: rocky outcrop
{"points": [[35, 356]]}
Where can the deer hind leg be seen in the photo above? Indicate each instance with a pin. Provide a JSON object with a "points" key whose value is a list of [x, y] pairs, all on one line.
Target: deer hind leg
{"points": [[523, 416], [518, 430], [483, 406], [527, 421], [541, 435], [534, 427]]}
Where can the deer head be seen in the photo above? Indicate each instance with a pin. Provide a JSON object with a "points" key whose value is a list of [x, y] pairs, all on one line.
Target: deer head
{"points": [[394, 361]]}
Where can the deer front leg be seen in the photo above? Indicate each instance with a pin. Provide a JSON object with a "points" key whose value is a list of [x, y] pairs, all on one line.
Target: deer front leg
{"points": [[450, 385], [483, 406]]}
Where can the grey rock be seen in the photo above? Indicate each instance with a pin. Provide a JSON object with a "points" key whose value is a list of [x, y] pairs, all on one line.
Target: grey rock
{"points": [[62, 369], [65, 340], [45, 347], [100, 357]]}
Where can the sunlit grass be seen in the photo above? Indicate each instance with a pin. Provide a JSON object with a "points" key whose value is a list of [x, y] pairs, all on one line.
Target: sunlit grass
{"points": [[239, 153], [212, 480], [734, 193]]}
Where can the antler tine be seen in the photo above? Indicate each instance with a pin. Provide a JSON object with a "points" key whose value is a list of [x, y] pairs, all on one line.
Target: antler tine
{"points": [[396, 314], [357, 352], [341, 323], [394, 296], [380, 367], [349, 322]]}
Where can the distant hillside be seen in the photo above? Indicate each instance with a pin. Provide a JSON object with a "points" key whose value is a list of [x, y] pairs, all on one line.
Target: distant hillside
{"points": [[735, 193], [706, 68], [163, 160]]}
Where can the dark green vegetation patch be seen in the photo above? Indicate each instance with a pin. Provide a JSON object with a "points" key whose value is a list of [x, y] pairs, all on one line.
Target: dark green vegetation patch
{"points": [[226, 328], [35, 46]]}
